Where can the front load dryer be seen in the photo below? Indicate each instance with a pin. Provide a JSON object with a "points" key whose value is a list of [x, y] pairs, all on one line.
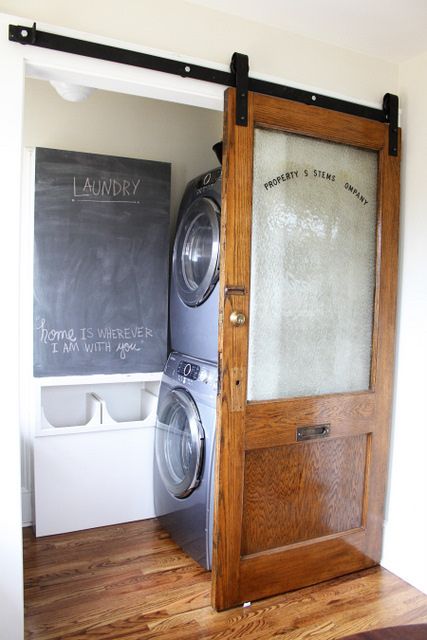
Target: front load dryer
{"points": [[184, 454], [195, 269]]}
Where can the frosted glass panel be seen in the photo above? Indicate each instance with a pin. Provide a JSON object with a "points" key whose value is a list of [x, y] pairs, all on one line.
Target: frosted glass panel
{"points": [[312, 267]]}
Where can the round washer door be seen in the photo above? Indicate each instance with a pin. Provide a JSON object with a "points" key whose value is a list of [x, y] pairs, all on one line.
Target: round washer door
{"points": [[196, 252], [179, 443]]}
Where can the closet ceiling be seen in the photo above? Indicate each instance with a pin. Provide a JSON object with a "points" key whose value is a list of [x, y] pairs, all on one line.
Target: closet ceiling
{"points": [[394, 30]]}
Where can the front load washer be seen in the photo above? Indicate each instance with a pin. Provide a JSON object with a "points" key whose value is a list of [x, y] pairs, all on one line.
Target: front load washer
{"points": [[195, 269], [184, 454]]}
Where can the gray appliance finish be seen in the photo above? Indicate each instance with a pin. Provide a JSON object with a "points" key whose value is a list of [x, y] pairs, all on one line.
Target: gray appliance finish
{"points": [[184, 453], [194, 288]]}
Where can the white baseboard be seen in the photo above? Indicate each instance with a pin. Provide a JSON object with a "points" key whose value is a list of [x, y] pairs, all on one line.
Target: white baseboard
{"points": [[27, 507]]}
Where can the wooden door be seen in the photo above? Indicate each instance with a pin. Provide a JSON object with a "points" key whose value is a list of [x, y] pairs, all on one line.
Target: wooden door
{"points": [[309, 260]]}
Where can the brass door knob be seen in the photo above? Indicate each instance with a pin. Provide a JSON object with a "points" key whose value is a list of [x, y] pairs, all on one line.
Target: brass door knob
{"points": [[237, 318]]}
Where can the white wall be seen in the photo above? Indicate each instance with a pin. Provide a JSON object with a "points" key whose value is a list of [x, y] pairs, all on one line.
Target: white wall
{"points": [[405, 547], [11, 605]]}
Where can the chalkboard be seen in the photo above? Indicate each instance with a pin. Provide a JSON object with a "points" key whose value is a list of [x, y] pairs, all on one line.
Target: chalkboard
{"points": [[101, 232]]}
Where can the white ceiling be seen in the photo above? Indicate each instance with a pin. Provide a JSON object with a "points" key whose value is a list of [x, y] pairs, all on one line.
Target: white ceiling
{"points": [[394, 30]]}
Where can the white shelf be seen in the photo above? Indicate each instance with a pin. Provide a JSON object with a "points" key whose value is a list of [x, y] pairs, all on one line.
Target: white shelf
{"points": [[79, 408], [60, 381]]}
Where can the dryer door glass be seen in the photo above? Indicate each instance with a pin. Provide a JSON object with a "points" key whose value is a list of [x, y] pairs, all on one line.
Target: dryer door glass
{"points": [[179, 443], [196, 252]]}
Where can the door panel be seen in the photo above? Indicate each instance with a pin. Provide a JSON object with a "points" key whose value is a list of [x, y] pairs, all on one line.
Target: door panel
{"points": [[303, 423], [318, 490]]}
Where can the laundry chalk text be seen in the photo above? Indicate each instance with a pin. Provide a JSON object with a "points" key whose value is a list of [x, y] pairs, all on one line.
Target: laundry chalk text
{"points": [[106, 189], [93, 341]]}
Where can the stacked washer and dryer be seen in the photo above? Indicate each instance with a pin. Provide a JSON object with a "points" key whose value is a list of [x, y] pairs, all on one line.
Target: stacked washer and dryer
{"points": [[186, 414]]}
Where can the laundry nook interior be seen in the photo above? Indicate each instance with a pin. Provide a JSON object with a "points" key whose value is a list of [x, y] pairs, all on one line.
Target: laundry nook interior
{"points": [[88, 449]]}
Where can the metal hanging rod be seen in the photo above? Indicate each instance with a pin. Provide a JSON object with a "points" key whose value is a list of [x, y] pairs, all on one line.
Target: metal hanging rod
{"points": [[237, 77]]}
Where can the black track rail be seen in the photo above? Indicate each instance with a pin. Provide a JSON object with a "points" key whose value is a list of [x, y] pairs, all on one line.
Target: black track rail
{"points": [[237, 77]]}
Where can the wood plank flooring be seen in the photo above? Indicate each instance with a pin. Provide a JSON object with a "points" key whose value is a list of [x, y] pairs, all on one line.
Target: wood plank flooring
{"points": [[131, 582]]}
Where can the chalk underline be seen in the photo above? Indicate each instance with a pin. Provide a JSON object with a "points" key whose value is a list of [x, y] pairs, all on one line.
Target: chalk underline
{"points": [[121, 201]]}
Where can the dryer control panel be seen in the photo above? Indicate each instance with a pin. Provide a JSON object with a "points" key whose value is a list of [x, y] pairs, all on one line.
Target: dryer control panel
{"points": [[208, 178]]}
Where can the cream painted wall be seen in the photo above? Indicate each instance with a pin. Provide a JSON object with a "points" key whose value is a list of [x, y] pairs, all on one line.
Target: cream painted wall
{"points": [[189, 30], [405, 546], [123, 125]]}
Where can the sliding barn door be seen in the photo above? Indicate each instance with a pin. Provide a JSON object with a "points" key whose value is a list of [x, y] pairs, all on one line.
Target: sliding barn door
{"points": [[307, 316]]}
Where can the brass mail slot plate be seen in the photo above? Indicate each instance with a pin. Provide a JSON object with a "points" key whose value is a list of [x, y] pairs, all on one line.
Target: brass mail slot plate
{"points": [[313, 432]]}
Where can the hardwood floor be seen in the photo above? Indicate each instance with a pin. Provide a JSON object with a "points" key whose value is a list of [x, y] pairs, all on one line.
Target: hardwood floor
{"points": [[131, 582]]}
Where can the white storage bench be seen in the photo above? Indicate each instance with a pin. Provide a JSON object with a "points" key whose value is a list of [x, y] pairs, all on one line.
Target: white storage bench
{"points": [[93, 451]]}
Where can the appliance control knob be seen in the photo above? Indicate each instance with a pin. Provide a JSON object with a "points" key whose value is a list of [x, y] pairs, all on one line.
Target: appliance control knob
{"points": [[204, 375]]}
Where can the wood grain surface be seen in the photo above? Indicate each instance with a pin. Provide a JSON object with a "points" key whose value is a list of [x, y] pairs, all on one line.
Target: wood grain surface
{"points": [[131, 582], [303, 491], [267, 539], [232, 400]]}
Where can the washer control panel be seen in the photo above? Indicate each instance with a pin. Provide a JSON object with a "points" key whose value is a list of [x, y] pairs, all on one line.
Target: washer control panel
{"points": [[188, 370]]}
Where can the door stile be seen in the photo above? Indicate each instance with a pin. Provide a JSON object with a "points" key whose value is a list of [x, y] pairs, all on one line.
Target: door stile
{"points": [[234, 272], [389, 189]]}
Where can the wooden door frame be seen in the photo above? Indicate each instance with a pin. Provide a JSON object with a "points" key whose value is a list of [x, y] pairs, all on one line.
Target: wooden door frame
{"points": [[231, 572]]}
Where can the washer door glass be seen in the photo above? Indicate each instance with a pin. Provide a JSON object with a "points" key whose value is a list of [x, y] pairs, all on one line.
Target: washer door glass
{"points": [[179, 443], [196, 252]]}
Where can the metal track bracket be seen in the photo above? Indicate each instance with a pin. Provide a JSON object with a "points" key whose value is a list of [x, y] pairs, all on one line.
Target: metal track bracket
{"points": [[391, 111], [240, 67], [23, 35]]}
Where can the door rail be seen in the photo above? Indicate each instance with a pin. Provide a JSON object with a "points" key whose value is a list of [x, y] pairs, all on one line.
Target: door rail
{"points": [[237, 77]]}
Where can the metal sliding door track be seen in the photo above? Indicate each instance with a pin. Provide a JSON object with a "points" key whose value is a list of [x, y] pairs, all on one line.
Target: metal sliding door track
{"points": [[237, 77]]}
